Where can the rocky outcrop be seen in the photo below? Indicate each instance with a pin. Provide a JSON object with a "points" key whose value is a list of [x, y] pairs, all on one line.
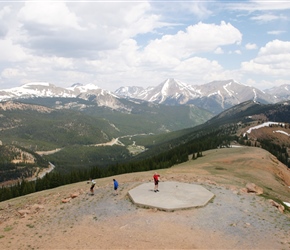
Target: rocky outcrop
{"points": [[74, 195], [33, 209], [253, 188], [66, 200], [280, 207]]}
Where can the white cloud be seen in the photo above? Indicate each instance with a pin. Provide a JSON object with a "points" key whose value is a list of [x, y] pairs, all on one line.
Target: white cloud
{"points": [[68, 29], [275, 47], [52, 15], [276, 32], [5, 11], [219, 50], [11, 52], [199, 9], [268, 18], [197, 38], [251, 46], [5, 20], [237, 52], [272, 60], [258, 5], [198, 70], [141, 43], [197, 66], [12, 72]]}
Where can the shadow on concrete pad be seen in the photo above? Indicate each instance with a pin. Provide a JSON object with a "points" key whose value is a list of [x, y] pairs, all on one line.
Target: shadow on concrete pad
{"points": [[172, 196]]}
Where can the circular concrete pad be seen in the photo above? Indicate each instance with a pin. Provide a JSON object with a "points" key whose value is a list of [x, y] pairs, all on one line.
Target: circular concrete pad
{"points": [[171, 196]]}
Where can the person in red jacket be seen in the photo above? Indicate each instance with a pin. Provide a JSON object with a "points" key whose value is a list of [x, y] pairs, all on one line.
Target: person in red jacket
{"points": [[156, 178]]}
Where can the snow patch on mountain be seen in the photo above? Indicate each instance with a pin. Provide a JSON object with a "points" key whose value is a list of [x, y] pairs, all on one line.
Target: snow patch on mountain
{"points": [[265, 124], [228, 91], [83, 88], [281, 132]]}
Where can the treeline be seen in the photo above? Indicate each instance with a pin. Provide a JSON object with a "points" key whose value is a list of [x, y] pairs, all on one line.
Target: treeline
{"points": [[166, 159], [279, 151]]}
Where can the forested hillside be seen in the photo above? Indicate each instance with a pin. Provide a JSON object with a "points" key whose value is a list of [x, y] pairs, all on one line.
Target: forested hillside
{"points": [[78, 162]]}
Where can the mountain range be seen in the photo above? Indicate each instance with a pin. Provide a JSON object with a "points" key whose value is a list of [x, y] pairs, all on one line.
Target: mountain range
{"points": [[215, 96]]}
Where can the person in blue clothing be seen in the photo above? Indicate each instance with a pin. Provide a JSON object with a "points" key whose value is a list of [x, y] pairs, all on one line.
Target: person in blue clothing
{"points": [[116, 185]]}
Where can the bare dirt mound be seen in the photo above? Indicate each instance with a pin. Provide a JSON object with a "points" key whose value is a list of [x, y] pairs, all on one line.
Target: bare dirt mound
{"points": [[234, 219]]}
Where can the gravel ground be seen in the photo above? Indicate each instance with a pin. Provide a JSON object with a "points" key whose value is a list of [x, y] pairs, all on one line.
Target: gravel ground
{"points": [[232, 220]]}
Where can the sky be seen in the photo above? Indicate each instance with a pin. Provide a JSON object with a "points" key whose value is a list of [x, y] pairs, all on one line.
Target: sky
{"points": [[143, 43]]}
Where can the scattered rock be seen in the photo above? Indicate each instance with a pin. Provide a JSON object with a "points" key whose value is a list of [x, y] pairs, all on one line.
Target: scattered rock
{"points": [[253, 188], [23, 212], [244, 190], [211, 182], [66, 200], [37, 207], [74, 195], [277, 205]]}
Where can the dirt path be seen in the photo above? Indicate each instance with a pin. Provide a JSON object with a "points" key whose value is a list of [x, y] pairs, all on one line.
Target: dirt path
{"points": [[48, 152], [233, 220]]}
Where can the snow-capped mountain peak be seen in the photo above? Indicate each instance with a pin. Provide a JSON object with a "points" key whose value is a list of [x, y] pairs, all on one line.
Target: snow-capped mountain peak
{"points": [[171, 92], [34, 89], [83, 88], [214, 96]]}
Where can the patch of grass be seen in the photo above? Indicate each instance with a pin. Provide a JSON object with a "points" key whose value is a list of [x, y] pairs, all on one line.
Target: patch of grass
{"points": [[220, 168], [2, 236], [8, 228], [30, 225]]}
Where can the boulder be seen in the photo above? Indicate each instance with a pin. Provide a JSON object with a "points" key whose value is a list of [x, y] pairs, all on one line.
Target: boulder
{"points": [[253, 188], [277, 205], [74, 195], [65, 200], [23, 212]]}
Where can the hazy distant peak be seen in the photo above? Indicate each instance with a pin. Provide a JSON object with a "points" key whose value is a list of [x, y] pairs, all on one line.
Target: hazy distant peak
{"points": [[83, 88], [75, 85], [130, 91], [46, 84]]}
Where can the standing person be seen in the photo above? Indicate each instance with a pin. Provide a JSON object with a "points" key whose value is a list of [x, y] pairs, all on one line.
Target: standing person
{"points": [[93, 183], [116, 185], [156, 181]]}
